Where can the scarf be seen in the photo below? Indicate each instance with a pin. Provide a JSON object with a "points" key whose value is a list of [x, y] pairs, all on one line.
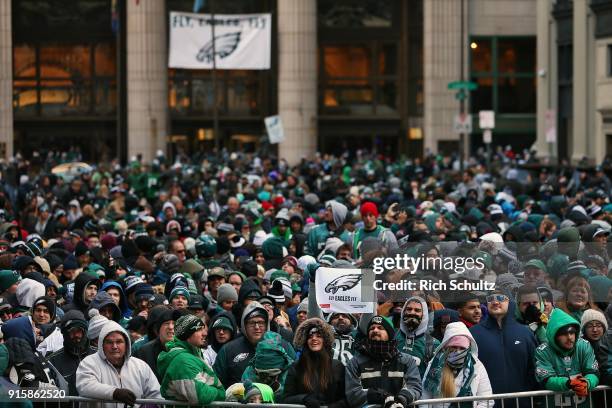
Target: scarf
{"points": [[382, 350], [432, 380]]}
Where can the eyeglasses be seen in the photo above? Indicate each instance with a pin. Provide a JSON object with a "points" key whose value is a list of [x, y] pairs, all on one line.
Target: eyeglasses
{"points": [[497, 298], [258, 323], [594, 326]]}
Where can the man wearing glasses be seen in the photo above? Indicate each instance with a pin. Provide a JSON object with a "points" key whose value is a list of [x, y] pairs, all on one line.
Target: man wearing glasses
{"points": [[112, 373], [234, 357], [506, 348]]}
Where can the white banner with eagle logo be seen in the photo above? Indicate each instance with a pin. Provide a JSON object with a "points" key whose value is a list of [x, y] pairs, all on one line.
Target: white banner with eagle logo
{"points": [[339, 291], [242, 41]]}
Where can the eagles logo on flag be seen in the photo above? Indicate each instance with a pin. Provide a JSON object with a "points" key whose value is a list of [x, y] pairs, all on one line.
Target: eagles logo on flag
{"points": [[344, 282], [224, 45]]}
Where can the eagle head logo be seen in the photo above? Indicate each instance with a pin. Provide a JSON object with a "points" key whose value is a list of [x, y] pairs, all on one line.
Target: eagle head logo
{"points": [[344, 282]]}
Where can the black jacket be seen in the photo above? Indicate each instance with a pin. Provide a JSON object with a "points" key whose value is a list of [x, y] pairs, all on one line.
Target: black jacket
{"points": [[66, 363], [148, 353], [334, 396]]}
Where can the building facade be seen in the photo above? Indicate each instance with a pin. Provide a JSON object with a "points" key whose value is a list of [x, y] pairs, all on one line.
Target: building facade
{"points": [[345, 75]]}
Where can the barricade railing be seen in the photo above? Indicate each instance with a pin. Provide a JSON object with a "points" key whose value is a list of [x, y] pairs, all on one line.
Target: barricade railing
{"points": [[536, 398]]}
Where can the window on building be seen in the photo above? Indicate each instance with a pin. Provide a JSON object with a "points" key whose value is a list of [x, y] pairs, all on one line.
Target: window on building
{"points": [[52, 79], [504, 69], [359, 78], [239, 92], [355, 13]]}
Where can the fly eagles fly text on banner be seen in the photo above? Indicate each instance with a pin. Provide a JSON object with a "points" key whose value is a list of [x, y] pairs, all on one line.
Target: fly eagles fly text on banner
{"points": [[242, 41]]}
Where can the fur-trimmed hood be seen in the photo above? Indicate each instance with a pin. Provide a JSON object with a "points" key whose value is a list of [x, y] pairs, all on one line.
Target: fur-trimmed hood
{"points": [[301, 333]]}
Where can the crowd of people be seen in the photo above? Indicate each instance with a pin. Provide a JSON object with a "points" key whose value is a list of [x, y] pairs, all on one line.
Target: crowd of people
{"points": [[195, 280]]}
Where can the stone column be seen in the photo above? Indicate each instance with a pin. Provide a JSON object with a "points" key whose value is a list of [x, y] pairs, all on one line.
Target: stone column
{"points": [[580, 82], [6, 79], [297, 77], [441, 47], [147, 77], [545, 68]]}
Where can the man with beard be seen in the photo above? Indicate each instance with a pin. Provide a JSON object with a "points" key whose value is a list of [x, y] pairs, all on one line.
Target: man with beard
{"points": [[74, 329], [371, 375], [469, 309], [530, 311], [566, 362], [413, 338]]}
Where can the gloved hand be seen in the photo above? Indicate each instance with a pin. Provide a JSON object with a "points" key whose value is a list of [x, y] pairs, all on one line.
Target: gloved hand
{"points": [[395, 402], [312, 270], [377, 396], [124, 395], [311, 401], [532, 314], [580, 386]]}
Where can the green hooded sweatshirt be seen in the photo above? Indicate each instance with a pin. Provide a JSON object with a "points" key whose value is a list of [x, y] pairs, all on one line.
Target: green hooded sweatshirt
{"points": [[187, 376], [555, 366], [269, 354]]}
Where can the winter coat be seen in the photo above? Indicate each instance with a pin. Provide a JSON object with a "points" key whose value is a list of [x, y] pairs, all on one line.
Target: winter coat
{"points": [[418, 343], [66, 363], [187, 376], [149, 353], [333, 396], [480, 385], [555, 366], [295, 392], [399, 376], [98, 378], [80, 284], [604, 358], [234, 357], [507, 354], [22, 360], [318, 236]]}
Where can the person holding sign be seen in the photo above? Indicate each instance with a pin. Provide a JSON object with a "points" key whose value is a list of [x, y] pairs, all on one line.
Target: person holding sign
{"points": [[371, 376]]}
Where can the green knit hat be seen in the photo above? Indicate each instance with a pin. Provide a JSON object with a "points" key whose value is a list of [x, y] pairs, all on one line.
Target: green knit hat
{"points": [[186, 325], [274, 248], [8, 278], [385, 322]]}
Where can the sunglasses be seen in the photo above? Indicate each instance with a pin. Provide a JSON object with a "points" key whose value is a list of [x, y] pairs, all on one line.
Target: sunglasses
{"points": [[497, 298]]}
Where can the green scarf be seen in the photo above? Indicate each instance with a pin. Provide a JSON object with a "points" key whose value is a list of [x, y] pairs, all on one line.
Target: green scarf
{"points": [[432, 381]]}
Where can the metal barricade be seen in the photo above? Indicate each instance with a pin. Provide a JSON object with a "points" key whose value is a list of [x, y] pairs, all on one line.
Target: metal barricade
{"points": [[537, 399]]}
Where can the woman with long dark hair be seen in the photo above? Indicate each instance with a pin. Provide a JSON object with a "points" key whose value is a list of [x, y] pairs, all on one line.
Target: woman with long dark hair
{"points": [[315, 379]]}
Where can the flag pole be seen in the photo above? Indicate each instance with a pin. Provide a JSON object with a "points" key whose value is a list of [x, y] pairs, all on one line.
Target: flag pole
{"points": [[214, 81]]}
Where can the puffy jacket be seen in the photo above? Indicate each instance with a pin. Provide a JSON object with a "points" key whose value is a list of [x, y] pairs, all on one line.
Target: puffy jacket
{"points": [[399, 376], [507, 353], [480, 384], [98, 378], [555, 366], [186, 375]]}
